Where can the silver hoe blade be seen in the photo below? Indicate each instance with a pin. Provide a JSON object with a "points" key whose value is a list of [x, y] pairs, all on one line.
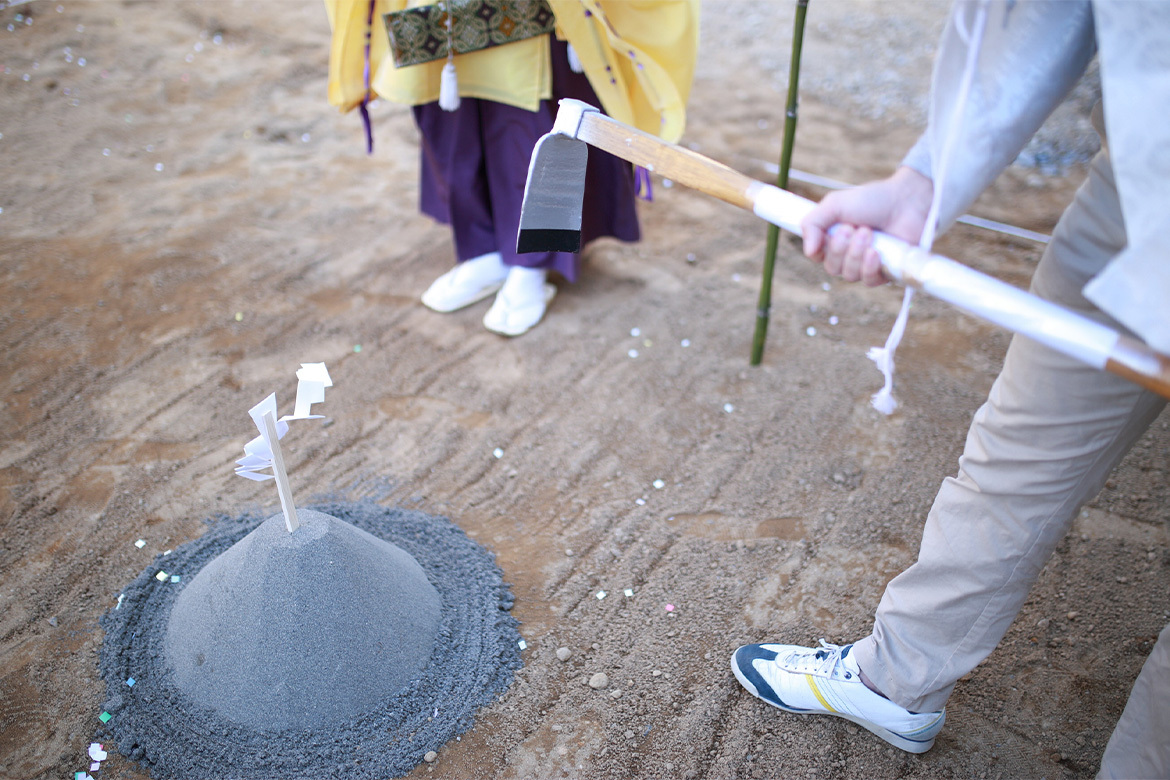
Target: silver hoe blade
{"points": [[550, 215]]}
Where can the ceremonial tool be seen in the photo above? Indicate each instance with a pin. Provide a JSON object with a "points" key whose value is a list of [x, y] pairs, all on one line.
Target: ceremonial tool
{"points": [[550, 220], [763, 310]]}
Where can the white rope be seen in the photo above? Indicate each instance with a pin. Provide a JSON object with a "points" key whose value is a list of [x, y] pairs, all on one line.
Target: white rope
{"points": [[449, 79], [883, 357], [883, 400]]}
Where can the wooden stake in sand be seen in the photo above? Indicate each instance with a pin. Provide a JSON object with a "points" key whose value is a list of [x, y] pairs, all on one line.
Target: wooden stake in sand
{"points": [[264, 451], [282, 487]]}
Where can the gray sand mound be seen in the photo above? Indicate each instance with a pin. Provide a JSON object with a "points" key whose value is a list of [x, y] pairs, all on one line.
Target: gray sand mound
{"points": [[295, 630], [196, 721]]}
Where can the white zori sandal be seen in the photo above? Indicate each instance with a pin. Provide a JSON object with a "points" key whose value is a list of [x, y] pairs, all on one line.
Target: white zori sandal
{"points": [[466, 283], [521, 302]]}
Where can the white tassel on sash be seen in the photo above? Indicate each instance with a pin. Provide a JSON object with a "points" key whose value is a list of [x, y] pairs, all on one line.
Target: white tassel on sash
{"points": [[575, 61], [449, 88]]}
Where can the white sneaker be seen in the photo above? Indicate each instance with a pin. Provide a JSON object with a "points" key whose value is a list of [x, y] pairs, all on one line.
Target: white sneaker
{"points": [[466, 283], [826, 680], [521, 303]]}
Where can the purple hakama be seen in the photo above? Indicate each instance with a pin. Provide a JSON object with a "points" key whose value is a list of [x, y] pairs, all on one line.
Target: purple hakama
{"points": [[475, 162]]}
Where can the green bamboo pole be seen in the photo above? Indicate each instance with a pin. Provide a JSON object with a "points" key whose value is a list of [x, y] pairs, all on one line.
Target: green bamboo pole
{"points": [[765, 304]]}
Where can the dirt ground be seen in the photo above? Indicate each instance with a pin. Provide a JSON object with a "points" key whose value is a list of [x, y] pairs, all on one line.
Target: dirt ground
{"points": [[185, 220]]}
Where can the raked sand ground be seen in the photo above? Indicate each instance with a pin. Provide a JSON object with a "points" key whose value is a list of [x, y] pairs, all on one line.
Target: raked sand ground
{"points": [[185, 220]]}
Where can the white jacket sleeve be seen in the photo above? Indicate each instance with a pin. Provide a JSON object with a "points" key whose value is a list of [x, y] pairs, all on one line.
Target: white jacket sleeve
{"points": [[1134, 39], [1031, 56]]}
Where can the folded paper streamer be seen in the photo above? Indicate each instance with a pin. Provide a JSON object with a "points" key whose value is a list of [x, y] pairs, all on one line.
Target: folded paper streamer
{"points": [[263, 452], [312, 378], [420, 34]]}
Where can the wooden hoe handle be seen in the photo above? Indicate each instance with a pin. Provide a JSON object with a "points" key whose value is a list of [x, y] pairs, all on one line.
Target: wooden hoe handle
{"points": [[973, 292], [1141, 365], [666, 159]]}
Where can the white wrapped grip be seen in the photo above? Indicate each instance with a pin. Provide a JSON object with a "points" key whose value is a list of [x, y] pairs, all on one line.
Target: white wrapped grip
{"points": [[974, 292]]}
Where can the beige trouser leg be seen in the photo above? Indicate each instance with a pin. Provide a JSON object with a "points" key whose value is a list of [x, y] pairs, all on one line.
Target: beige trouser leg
{"points": [[1049, 434], [1140, 745]]}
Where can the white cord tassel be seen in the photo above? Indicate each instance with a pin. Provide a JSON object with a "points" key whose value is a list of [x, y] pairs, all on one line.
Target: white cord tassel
{"points": [[449, 88], [575, 61], [883, 400]]}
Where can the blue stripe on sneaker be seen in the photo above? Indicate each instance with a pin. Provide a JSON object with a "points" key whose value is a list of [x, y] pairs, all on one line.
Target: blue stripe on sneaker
{"points": [[743, 661], [744, 657], [934, 726]]}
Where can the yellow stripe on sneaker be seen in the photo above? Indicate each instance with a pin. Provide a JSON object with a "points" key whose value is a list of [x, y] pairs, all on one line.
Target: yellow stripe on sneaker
{"points": [[812, 684]]}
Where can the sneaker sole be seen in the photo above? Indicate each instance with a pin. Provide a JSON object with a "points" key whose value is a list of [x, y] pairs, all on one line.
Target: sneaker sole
{"points": [[907, 743]]}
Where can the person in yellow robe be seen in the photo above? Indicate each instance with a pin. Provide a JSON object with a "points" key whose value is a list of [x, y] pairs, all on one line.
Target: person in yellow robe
{"points": [[633, 58]]}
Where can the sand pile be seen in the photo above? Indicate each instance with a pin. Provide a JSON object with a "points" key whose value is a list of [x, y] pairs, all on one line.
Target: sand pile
{"points": [[303, 629], [349, 648]]}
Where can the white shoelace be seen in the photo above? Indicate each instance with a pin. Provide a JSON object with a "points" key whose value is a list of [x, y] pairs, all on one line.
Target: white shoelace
{"points": [[823, 660]]}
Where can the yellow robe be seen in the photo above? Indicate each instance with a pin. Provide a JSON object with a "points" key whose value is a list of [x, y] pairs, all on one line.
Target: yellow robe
{"points": [[639, 56]]}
